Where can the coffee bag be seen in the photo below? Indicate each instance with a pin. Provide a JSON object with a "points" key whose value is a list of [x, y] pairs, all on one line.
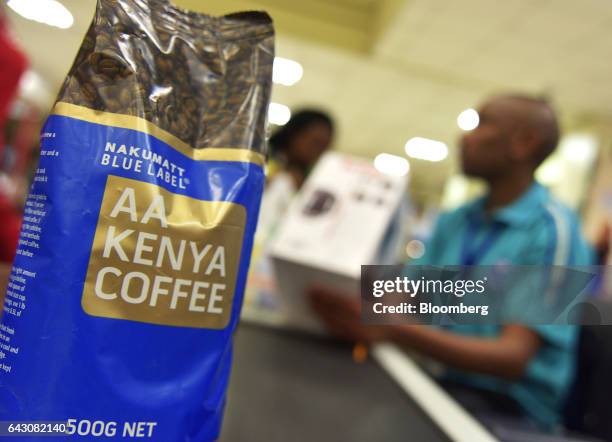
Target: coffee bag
{"points": [[138, 228]]}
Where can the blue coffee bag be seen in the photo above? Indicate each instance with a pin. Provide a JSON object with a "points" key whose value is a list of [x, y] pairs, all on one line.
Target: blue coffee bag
{"points": [[138, 228]]}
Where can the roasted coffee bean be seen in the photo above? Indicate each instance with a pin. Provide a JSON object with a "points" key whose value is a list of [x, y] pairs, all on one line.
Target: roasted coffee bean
{"points": [[94, 58], [190, 105], [89, 91], [88, 43], [164, 65], [125, 96], [109, 67]]}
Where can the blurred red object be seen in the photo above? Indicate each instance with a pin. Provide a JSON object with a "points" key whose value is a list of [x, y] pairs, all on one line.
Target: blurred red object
{"points": [[13, 64]]}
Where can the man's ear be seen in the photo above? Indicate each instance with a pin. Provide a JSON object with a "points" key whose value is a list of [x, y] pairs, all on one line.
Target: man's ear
{"points": [[524, 145]]}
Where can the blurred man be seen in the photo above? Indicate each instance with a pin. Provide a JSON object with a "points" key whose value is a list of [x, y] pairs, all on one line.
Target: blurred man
{"points": [[515, 369]]}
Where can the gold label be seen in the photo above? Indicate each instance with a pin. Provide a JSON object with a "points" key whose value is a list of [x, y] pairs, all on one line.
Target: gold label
{"points": [[163, 258]]}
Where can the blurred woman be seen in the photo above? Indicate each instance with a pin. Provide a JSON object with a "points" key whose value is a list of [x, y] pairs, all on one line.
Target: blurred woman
{"points": [[296, 146], [294, 150]]}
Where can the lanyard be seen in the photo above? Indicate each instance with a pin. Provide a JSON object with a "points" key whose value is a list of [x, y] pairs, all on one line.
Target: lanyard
{"points": [[471, 254]]}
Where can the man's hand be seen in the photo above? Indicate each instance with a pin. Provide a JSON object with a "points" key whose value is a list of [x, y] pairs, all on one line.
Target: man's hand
{"points": [[505, 356], [341, 314]]}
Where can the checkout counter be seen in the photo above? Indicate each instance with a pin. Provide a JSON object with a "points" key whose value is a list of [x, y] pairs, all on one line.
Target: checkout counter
{"points": [[290, 386]]}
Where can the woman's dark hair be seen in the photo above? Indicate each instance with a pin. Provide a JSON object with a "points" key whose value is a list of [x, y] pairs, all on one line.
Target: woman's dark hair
{"points": [[281, 138]]}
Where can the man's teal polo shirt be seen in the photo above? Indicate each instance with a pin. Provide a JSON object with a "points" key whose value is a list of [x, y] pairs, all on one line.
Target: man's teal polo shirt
{"points": [[533, 230]]}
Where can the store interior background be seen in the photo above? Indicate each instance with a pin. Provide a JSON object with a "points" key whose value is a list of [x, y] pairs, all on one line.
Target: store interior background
{"points": [[392, 70]]}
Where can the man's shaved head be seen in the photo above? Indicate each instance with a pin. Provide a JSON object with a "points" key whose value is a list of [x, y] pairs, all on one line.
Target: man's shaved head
{"points": [[537, 114], [515, 131]]}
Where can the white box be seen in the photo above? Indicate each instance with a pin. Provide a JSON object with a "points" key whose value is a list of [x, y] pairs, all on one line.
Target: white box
{"points": [[336, 223]]}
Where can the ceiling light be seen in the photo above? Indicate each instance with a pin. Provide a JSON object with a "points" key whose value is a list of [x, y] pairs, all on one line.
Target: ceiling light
{"points": [[391, 164], [278, 114], [550, 172], [468, 119], [49, 12], [579, 148], [286, 72], [426, 149]]}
